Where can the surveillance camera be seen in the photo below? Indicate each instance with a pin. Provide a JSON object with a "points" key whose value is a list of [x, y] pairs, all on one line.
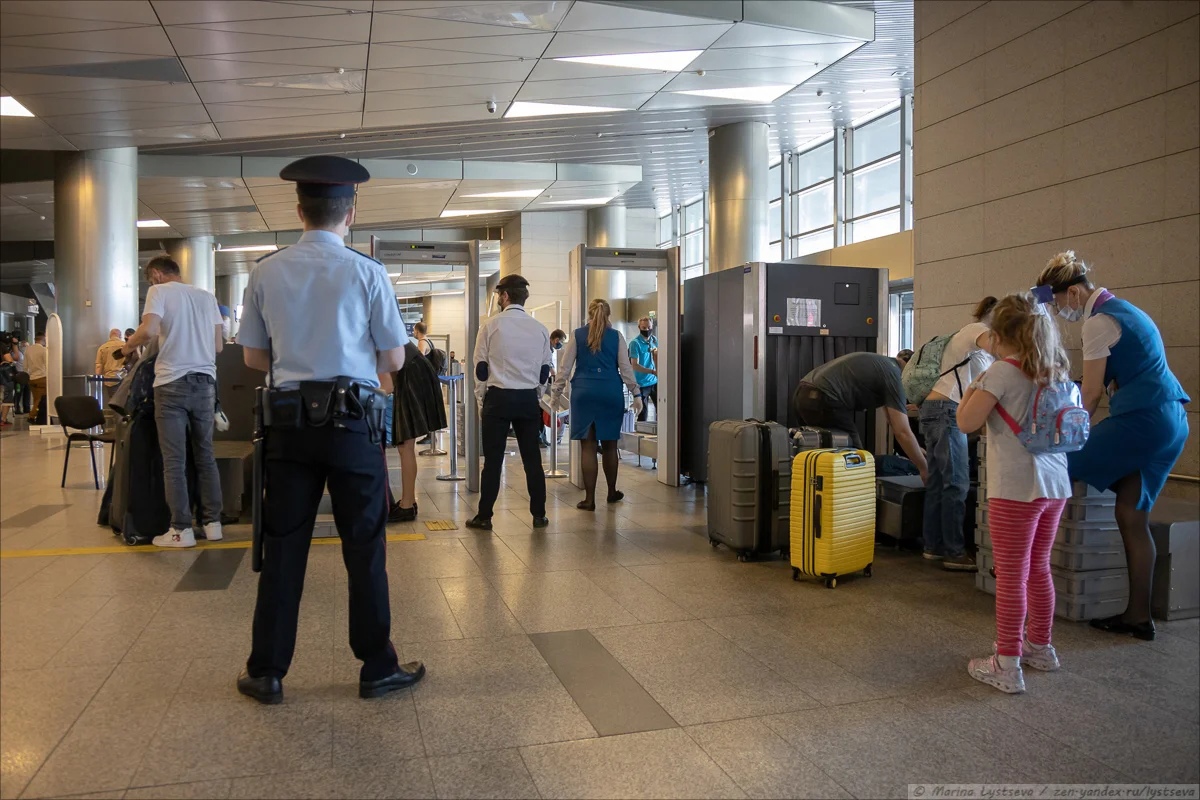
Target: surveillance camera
{"points": [[491, 106]]}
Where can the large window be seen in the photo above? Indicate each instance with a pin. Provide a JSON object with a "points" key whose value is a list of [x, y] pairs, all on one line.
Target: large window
{"points": [[692, 236], [775, 212], [813, 213], [666, 230], [873, 178], [900, 316]]}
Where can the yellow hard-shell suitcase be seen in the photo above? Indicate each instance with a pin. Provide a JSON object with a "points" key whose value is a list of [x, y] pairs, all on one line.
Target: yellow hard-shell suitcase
{"points": [[833, 513]]}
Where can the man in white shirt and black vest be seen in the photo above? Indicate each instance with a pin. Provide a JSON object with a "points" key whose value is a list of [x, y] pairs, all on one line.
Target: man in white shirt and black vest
{"points": [[512, 366]]}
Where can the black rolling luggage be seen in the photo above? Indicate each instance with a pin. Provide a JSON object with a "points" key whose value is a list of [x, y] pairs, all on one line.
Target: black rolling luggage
{"points": [[138, 508]]}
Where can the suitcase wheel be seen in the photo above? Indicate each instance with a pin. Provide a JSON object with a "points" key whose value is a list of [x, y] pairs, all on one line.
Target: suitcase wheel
{"points": [[714, 543], [867, 571], [831, 582], [795, 573], [743, 557], [130, 539]]}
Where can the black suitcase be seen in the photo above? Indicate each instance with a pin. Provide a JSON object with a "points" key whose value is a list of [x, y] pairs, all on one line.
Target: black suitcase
{"points": [[135, 501], [900, 506]]}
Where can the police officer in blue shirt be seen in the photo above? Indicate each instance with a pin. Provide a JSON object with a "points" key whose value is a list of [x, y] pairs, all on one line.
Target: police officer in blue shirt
{"points": [[321, 319], [643, 352]]}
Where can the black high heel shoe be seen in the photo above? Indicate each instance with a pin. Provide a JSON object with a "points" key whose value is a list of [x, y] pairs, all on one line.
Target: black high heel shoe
{"points": [[1138, 630]]}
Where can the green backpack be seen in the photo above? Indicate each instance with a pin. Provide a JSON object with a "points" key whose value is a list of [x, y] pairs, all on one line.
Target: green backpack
{"points": [[925, 368]]}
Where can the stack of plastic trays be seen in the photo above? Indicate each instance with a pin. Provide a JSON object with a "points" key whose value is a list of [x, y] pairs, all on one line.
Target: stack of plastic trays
{"points": [[1087, 562]]}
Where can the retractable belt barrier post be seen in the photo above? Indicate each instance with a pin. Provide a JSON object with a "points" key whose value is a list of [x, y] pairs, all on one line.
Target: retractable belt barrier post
{"points": [[452, 382]]}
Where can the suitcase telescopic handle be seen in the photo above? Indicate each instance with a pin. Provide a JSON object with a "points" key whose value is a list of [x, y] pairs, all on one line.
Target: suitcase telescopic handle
{"points": [[853, 459]]}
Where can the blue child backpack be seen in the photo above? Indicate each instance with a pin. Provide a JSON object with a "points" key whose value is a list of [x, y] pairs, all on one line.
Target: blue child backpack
{"points": [[1056, 421]]}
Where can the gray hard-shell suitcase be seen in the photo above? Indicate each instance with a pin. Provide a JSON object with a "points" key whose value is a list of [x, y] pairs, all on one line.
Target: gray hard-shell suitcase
{"points": [[810, 438], [900, 506], [749, 486]]}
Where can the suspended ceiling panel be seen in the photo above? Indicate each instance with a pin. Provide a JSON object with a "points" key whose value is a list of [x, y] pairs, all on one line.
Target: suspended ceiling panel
{"points": [[410, 78]]}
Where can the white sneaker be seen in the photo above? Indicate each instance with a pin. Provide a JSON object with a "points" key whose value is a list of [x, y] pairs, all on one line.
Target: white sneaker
{"points": [[1040, 656], [212, 531], [176, 538], [1003, 672]]}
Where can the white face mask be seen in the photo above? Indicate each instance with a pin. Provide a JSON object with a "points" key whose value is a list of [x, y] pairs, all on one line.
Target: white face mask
{"points": [[1068, 313]]}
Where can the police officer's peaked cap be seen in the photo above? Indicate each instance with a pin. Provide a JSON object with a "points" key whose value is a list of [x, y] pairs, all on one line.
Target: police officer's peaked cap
{"points": [[325, 176], [511, 282]]}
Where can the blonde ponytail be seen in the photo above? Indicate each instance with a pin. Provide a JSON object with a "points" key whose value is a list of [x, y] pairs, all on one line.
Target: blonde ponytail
{"points": [[1063, 270], [599, 314], [1021, 324]]}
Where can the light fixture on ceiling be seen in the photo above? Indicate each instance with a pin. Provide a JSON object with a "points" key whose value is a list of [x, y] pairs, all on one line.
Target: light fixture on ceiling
{"points": [[588, 201], [248, 248], [9, 107], [445, 294], [522, 108], [470, 212], [514, 193], [747, 94], [670, 61], [153, 223]]}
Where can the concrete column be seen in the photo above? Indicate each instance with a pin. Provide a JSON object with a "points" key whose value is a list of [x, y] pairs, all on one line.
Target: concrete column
{"points": [[95, 249], [606, 227], [197, 262], [738, 194]]}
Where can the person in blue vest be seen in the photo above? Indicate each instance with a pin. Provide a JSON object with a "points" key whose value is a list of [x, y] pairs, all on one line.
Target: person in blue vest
{"points": [[1131, 451], [596, 362]]}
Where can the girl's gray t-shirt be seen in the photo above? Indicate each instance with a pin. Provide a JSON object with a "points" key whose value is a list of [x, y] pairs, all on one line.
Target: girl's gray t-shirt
{"points": [[1013, 472]]}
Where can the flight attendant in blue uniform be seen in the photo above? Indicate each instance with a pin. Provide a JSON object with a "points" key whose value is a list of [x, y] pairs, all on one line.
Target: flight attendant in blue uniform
{"points": [[596, 361], [1135, 447], [321, 319]]}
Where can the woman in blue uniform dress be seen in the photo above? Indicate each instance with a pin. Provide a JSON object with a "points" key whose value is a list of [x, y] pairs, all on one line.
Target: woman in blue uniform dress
{"points": [[596, 362], [1136, 446]]}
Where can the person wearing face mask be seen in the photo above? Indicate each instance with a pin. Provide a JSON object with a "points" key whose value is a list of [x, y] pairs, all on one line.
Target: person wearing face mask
{"points": [[1131, 451], [643, 355], [557, 338]]}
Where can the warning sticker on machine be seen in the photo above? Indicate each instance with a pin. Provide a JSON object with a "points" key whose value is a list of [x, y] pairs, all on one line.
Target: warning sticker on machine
{"points": [[774, 329], [803, 312]]}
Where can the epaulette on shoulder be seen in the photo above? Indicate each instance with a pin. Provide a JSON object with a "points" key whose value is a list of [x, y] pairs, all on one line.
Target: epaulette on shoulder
{"points": [[364, 255], [268, 255]]}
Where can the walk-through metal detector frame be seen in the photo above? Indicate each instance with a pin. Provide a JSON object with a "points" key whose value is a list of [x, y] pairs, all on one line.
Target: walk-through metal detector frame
{"points": [[665, 263], [469, 255]]}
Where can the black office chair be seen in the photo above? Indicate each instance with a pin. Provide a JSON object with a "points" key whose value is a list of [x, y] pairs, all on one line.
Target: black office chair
{"points": [[82, 413]]}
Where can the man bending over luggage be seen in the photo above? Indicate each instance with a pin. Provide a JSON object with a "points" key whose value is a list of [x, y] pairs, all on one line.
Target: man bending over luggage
{"points": [[830, 396], [187, 323]]}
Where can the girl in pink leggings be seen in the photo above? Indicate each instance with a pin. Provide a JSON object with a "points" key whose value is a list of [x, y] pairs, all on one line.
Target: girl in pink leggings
{"points": [[1026, 491]]}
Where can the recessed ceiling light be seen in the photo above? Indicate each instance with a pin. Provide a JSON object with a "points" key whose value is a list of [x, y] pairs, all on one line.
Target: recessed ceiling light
{"points": [[9, 107], [749, 94], [671, 61], [470, 212], [249, 248], [589, 201], [514, 193], [153, 223], [525, 109]]}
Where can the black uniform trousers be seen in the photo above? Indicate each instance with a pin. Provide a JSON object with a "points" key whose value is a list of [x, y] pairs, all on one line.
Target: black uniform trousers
{"points": [[649, 395], [299, 462], [518, 409], [813, 408]]}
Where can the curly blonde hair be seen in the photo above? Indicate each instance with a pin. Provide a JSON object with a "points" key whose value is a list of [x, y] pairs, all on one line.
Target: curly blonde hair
{"points": [[1019, 322]]}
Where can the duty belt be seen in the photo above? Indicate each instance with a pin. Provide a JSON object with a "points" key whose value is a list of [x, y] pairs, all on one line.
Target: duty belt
{"points": [[317, 404]]}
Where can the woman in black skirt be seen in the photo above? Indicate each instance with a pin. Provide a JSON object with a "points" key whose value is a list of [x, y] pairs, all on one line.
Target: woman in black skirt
{"points": [[418, 411]]}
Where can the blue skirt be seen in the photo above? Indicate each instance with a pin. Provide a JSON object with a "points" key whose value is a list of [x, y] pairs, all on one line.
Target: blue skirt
{"points": [[1149, 440], [599, 403]]}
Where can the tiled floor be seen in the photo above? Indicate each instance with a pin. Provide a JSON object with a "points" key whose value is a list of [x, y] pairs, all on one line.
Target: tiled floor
{"points": [[615, 654]]}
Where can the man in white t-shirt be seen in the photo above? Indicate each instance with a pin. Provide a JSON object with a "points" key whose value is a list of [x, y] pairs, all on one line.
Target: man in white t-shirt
{"points": [[188, 326]]}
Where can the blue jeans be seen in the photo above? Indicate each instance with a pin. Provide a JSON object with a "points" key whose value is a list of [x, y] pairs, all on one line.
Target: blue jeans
{"points": [[183, 412], [949, 478]]}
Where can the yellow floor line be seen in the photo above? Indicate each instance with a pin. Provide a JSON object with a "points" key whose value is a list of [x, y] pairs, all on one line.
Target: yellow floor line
{"points": [[149, 548], [440, 525]]}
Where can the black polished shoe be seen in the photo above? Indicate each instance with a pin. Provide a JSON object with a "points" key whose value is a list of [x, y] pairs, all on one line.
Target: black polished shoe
{"points": [[398, 514], [405, 676], [540, 522], [268, 691], [478, 523], [1138, 630]]}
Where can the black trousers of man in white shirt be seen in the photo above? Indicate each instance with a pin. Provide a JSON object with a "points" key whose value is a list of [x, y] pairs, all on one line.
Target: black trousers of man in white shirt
{"points": [[518, 409]]}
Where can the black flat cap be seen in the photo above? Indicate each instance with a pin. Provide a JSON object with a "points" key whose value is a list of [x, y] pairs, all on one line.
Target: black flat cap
{"points": [[325, 176], [511, 282]]}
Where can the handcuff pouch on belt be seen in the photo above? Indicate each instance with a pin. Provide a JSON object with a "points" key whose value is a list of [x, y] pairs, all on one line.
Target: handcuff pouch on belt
{"points": [[316, 404]]}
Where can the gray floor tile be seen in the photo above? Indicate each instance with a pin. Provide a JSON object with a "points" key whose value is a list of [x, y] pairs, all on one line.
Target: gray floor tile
{"points": [[33, 631], [393, 779], [137, 574], [420, 612], [491, 554], [559, 601], [659, 764], [478, 608], [211, 571], [761, 763], [51, 583], [488, 694], [376, 732], [106, 744], [198, 790], [697, 675], [38, 708], [494, 775], [672, 545], [32, 516], [198, 624], [611, 699], [427, 560], [571, 551], [719, 589], [107, 637], [15, 571], [636, 596]]}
